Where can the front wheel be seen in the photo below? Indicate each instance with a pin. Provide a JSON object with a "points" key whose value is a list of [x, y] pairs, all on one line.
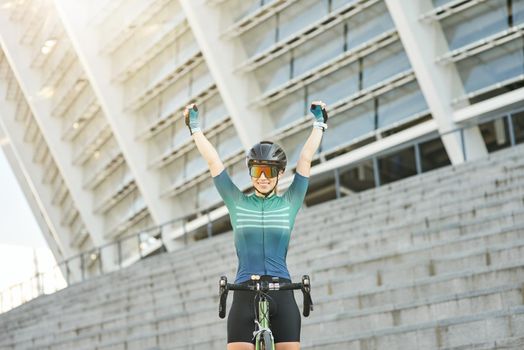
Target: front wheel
{"points": [[266, 341]]}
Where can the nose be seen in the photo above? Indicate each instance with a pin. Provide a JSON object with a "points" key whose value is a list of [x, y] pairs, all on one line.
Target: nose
{"points": [[263, 175]]}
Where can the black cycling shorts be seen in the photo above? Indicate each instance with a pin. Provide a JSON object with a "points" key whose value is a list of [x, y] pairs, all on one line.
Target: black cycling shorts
{"points": [[284, 315]]}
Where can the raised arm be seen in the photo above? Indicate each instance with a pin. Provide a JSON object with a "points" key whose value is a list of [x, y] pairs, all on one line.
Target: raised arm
{"points": [[318, 108], [205, 148]]}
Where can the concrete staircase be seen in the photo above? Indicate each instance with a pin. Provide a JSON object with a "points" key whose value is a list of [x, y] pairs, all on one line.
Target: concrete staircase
{"points": [[431, 262]]}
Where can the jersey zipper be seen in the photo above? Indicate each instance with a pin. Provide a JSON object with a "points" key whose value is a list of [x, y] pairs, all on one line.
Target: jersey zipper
{"points": [[263, 237]]}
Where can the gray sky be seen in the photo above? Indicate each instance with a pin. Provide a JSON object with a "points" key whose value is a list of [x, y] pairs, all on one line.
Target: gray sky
{"points": [[17, 223]]}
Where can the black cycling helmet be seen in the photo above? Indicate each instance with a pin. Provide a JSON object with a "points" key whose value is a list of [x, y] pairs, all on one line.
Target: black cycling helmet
{"points": [[267, 152]]}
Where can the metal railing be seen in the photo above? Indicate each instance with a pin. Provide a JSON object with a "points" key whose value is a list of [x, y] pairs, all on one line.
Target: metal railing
{"points": [[130, 249]]}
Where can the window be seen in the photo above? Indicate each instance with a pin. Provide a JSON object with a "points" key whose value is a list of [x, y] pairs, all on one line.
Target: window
{"points": [[335, 86], [349, 125], [195, 164], [438, 3], [518, 126], [287, 109], [399, 104], [368, 24], [475, 23], [213, 111], [274, 73], [293, 144], [321, 188], [517, 9], [384, 64], [318, 50], [227, 143], [239, 174], [493, 66], [397, 166], [207, 194], [260, 37], [357, 178], [300, 15], [433, 155], [495, 134]]}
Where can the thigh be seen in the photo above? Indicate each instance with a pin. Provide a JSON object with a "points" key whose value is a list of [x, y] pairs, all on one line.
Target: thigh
{"points": [[240, 346], [287, 346], [240, 321], [285, 323]]}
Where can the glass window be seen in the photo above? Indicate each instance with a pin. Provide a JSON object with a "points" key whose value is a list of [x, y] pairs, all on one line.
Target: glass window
{"points": [[433, 155], [288, 109], [438, 3], [241, 8], [300, 15], [335, 4], [396, 166], [239, 174], [335, 86], [189, 198], [518, 126], [186, 47], [321, 189], [495, 134], [492, 66], [400, 103], [175, 173], [349, 125], [518, 11], [274, 73], [201, 79], [195, 164], [260, 37], [228, 143], [207, 194], [318, 50], [161, 143], [475, 23], [357, 178], [213, 111], [368, 24], [292, 145], [383, 64]]}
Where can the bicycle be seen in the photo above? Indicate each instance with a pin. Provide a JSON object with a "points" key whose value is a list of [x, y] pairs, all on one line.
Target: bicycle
{"points": [[263, 336]]}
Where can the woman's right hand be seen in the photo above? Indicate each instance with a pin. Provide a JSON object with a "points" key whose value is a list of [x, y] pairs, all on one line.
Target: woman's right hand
{"points": [[191, 118]]}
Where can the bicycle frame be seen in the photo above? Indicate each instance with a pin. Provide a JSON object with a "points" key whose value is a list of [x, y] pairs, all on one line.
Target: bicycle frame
{"points": [[263, 323]]}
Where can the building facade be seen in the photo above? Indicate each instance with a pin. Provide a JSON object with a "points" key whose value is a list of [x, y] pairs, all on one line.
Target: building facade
{"points": [[92, 94]]}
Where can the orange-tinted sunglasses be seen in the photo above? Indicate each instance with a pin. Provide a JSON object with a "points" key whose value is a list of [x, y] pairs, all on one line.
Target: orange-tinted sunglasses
{"points": [[269, 171]]}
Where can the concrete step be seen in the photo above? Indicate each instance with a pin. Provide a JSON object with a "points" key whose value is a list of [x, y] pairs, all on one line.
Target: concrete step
{"points": [[440, 285], [452, 332], [384, 275]]}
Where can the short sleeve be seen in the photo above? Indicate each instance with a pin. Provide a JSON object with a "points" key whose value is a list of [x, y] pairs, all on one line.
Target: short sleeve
{"points": [[297, 191], [226, 188]]}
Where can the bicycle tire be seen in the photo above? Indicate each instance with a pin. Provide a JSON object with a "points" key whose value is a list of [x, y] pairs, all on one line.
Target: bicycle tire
{"points": [[266, 341]]}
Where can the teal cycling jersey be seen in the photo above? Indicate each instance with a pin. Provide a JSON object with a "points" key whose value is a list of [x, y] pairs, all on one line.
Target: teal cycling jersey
{"points": [[261, 226]]}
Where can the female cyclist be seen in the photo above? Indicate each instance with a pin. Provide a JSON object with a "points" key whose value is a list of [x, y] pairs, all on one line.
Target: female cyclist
{"points": [[262, 224]]}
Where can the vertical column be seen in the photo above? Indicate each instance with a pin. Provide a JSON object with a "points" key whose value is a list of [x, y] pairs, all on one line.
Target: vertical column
{"points": [[19, 58], [74, 16], [423, 43], [221, 54], [39, 197], [51, 235]]}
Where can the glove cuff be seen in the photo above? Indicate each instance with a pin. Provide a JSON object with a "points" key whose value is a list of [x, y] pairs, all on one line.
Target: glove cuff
{"points": [[320, 125], [193, 130]]}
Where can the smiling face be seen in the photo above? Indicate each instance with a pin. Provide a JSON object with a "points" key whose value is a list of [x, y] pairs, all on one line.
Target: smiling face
{"points": [[264, 184]]}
